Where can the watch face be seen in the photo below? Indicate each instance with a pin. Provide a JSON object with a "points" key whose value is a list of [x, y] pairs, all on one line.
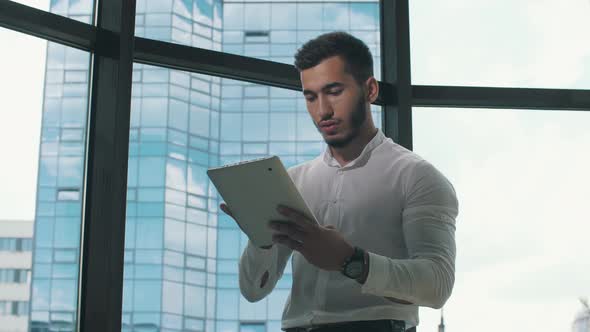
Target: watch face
{"points": [[354, 269]]}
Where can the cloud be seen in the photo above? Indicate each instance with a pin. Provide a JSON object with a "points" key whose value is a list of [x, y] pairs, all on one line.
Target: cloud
{"points": [[501, 43], [522, 231]]}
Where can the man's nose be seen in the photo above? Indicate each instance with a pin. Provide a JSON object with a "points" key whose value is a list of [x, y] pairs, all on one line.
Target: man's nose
{"points": [[324, 108]]}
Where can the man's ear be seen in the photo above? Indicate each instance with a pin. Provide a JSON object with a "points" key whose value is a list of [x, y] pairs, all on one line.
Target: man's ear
{"points": [[371, 89]]}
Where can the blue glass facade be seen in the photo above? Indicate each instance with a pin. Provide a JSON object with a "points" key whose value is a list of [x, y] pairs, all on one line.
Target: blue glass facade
{"points": [[60, 180], [181, 253]]}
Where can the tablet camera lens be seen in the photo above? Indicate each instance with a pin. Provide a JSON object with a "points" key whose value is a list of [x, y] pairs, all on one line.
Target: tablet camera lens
{"points": [[270, 169]]}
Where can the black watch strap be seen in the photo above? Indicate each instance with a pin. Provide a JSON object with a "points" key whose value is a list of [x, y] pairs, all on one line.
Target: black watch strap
{"points": [[354, 266]]}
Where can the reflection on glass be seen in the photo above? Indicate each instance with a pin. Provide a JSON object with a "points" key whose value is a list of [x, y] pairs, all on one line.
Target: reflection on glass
{"points": [[336, 16], [289, 25], [193, 23], [309, 16], [256, 16], [282, 17], [522, 181]]}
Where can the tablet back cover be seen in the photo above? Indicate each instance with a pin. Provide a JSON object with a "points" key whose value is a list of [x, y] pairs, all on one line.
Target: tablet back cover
{"points": [[252, 190]]}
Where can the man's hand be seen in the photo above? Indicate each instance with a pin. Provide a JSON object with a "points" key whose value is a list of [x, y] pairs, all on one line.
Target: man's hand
{"points": [[322, 246], [227, 211]]}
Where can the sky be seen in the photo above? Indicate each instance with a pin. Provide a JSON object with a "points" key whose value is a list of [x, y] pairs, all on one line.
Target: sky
{"points": [[22, 68], [523, 231]]}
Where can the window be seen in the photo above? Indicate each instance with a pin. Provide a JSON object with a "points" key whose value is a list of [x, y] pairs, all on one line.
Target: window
{"points": [[181, 253], [254, 36], [526, 50], [514, 172], [273, 30], [183, 22], [42, 128], [15, 244], [14, 308], [17, 276], [68, 194], [252, 327]]}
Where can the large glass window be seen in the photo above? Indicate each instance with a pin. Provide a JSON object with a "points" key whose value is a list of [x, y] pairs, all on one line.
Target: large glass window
{"points": [[523, 186], [270, 30], [43, 113], [196, 23], [521, 176], [530, 43], [189, 249]]}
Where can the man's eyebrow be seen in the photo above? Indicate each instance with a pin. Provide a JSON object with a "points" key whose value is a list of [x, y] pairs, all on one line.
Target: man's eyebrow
{"points": [[325, 87], [332, 85]]}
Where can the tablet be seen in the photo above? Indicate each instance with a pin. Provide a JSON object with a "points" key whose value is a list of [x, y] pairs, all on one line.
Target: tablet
{"points": [[253, 189]]}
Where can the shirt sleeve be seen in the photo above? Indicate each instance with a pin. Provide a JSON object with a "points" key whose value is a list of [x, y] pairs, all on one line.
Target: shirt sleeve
{"points": [[254, 263], [427, 277]]}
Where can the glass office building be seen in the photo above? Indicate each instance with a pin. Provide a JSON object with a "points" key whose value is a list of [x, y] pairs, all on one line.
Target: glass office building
{"points": [[181, 253], [15, 273], [582, 321]]}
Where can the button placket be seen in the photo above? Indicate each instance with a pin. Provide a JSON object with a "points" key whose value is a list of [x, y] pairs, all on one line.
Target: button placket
{"points": [[337, 186], [337, 194]]}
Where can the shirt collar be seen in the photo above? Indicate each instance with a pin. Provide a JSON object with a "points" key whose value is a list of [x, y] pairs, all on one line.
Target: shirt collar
{"points": [[373, 143]]}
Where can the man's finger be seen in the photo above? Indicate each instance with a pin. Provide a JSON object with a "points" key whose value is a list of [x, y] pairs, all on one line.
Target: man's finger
{"points": [[285, 225], [288, 242], [302, 221], [289, 229]]}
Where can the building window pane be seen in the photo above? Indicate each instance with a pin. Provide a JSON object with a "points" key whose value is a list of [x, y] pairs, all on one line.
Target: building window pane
{"points": [[309, 16], [282, 16], [227, 303], [257, 16], [68, 194], [252, 327]]}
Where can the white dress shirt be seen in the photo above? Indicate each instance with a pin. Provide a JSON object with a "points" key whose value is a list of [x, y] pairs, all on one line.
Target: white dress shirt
{"points": [[388, 201]]}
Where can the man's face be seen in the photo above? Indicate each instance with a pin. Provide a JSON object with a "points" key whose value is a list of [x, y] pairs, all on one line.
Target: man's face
{"points": [[335, 101]]}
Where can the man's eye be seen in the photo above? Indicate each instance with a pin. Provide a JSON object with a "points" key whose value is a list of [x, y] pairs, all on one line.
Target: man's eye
{"points": [[335, 92], [310, 99]]}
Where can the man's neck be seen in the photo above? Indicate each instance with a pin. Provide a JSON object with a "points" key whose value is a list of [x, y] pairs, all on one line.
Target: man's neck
{"points": [[352, 150]]}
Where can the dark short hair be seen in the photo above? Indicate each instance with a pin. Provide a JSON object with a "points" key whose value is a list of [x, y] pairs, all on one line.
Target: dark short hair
{"points": [[354, 52]]}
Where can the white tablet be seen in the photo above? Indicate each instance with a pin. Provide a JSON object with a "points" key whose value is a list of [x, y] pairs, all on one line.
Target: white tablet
{"points": [[253, 189]]}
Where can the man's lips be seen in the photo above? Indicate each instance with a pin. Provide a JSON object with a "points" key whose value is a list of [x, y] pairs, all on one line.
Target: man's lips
{"points": [[328, 123], [328, 126]]}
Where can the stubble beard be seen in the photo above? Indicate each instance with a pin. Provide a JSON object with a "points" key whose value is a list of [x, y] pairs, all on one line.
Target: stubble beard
{"points": [[357, 119]]}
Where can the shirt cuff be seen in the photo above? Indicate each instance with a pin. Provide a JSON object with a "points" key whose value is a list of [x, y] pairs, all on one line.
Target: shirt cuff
{"points": [[262, 258], [377, 270]]}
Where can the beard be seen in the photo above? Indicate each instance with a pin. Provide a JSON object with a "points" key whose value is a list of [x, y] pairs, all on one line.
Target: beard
{"points": [[357, 119]]}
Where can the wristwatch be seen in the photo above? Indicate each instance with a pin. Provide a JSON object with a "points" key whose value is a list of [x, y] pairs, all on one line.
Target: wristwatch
{"points": [[354, 266]]}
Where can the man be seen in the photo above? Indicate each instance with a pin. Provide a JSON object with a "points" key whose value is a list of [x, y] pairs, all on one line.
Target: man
{"points": [[385, 240]]}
